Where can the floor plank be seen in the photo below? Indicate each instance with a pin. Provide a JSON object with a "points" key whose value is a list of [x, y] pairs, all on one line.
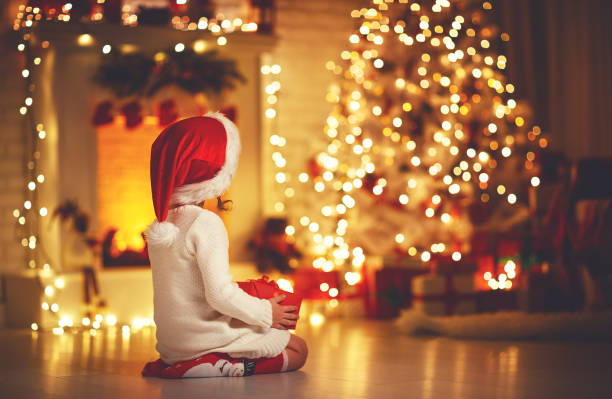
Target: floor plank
{"points": [[348, 359]]}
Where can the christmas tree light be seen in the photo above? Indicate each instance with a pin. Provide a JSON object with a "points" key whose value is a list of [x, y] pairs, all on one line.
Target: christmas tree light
{"points": [[423, 125]]}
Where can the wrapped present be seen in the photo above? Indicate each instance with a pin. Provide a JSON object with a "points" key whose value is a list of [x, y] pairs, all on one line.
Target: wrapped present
{"points": [[443, 264], [545, 292], [444, 294], [401, 260], [265, 288], [307, 281], [388, 288], [509, 245]]}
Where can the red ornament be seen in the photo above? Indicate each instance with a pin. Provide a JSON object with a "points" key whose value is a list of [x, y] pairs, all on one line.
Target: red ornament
{"points": [[102, 114], [369, 181], [388, 105], [396, 204], [133, 114], [177, 9], [314, 170], [167, 112]]}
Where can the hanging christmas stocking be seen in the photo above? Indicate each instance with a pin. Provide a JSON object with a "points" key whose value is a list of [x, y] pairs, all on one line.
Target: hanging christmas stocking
{"points": [[102, 114], [167, 112], [133, 114]]}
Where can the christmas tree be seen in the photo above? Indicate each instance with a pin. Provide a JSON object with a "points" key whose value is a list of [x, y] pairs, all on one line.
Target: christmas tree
{"points": [[423, 128]]}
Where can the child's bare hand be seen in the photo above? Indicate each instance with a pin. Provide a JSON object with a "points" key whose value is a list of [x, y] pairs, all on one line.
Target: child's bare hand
{"points": [[282, 318]]}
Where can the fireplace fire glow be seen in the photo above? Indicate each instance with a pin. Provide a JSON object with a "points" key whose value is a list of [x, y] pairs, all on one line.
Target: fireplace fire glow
{"points": [[124, 192]]}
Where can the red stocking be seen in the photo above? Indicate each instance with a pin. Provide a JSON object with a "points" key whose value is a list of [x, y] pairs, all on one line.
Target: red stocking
{"points": [[216, 365], [267, 365]]}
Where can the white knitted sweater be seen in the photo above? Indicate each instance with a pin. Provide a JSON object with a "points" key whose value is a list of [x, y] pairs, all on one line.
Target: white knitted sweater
{"points": [[197, 307]]}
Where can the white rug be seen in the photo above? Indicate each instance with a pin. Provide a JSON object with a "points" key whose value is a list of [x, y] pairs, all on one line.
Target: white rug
{"points": [[511, 325]]}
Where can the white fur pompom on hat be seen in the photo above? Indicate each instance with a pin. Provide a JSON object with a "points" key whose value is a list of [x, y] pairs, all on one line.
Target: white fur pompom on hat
{"points": [[161, 233], [192, 160]]}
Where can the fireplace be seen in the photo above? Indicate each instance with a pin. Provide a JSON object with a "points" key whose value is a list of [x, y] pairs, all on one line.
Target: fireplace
{"points": [[106, 168], [124, 205]]}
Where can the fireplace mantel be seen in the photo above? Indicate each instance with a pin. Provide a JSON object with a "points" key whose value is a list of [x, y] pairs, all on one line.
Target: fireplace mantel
{"points": [[64, 36], [66, 96]]}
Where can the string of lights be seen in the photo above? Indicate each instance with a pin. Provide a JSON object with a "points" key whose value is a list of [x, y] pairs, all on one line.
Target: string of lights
{"points": [[28, 216]]}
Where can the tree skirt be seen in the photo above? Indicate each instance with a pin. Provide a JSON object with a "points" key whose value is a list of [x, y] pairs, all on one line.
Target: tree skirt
{"points": [[510, 325]]}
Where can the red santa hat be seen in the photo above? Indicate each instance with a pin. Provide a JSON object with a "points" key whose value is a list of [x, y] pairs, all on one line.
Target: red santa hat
{"points": [[192, 160]]}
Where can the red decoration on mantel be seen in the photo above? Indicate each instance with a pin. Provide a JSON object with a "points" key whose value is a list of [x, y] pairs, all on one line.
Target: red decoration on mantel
{"points": [[102, 114], [133, 114], [167, 112]]}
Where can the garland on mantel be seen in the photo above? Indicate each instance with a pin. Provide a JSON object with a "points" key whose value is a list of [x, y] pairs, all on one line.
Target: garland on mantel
{"points": [[137, 74], [140, 75]]}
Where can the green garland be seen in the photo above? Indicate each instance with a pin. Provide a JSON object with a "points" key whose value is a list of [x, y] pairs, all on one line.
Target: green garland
{"points": [[138, 74]]}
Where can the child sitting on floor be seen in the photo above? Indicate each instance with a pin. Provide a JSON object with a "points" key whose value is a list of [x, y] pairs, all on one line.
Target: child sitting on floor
{"points": [[206, 325]]}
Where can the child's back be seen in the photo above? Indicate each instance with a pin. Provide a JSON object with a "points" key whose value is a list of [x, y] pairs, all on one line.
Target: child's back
{"points": [[206, 325], [190, 281]]}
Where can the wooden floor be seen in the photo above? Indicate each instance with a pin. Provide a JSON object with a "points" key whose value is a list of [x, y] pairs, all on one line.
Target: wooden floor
{"points": [[348, 359]]}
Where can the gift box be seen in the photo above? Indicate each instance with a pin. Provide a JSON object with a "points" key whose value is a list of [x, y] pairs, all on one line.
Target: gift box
{"points": [[388, 286], [265, 288], [545, 292], [444, 294], [443, 264], [307, 281]]}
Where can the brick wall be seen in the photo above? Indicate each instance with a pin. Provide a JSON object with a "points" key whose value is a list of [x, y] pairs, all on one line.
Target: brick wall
{"points": [[310, 34]]}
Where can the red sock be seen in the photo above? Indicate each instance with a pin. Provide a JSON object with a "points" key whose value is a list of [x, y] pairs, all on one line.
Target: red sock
{"points": [[154, 369], [209, 365], [217, 365], [265, 365]]}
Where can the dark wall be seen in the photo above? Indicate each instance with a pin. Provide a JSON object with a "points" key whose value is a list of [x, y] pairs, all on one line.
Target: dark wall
{"points": [[560, 59]]}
